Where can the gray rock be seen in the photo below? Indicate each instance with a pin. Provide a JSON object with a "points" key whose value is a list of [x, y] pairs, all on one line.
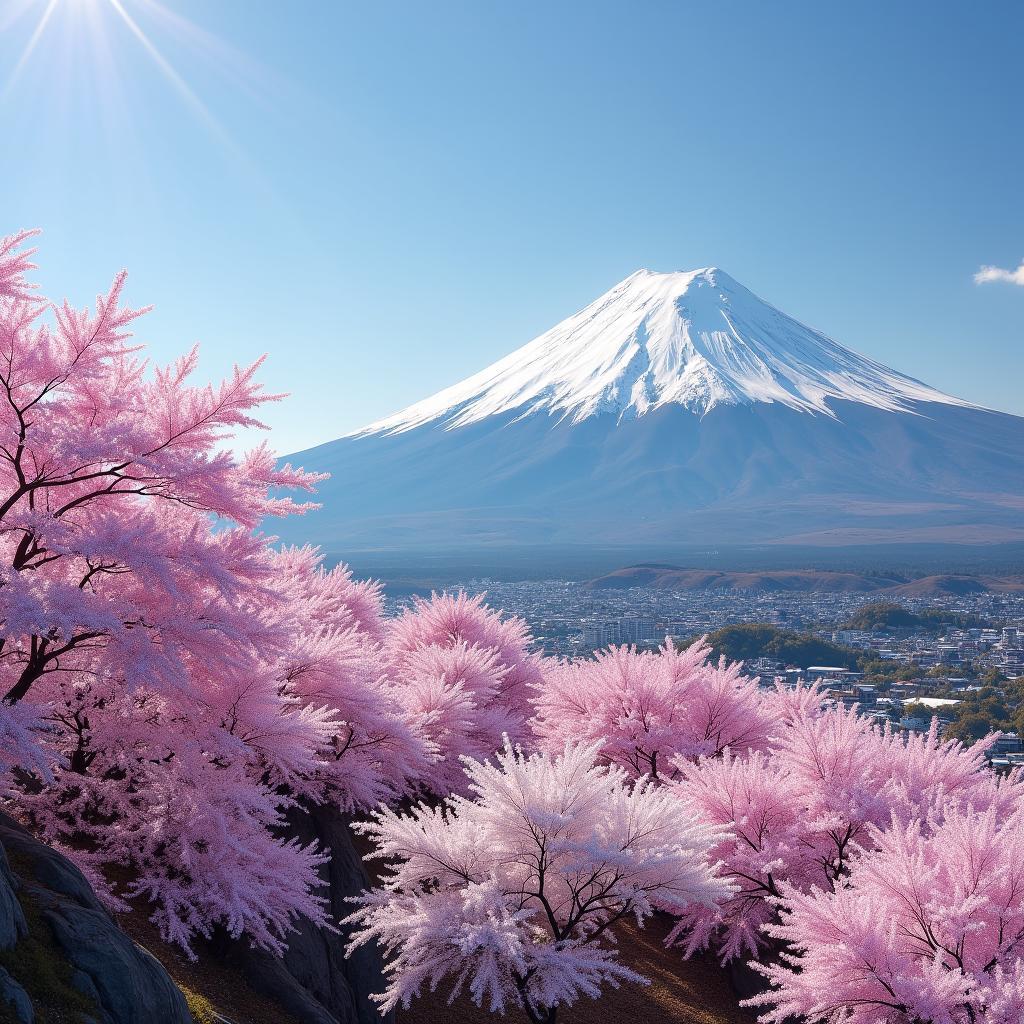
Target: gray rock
{"points": [[15, 996], [132, 986], [314, 980], [268, 974], [128, 984], [83, 983], [50, 869], [12, 921]]}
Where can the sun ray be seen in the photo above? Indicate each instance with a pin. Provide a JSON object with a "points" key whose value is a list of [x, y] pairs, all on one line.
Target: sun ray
{"points": [[33, 41], [239, 69], [99, 17], [179, 83], [242, 161]]}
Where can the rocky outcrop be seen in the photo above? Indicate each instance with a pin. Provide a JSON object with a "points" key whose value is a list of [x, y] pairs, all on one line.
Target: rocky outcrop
{"points": [[314, 981], [118, 980], [13, 996]]}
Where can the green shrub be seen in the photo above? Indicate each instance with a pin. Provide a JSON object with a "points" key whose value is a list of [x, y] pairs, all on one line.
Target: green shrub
{"points": [[763, 640]]}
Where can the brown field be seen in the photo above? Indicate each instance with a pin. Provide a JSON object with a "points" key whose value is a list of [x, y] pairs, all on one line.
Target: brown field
{"points": [[681, 992]]}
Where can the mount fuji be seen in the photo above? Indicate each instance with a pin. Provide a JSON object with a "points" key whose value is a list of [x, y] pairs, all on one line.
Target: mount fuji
{"points": [[677, 408]]}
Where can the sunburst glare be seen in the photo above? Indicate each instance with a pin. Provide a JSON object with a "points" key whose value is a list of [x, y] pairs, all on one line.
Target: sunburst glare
{"points": [[98, 21]]}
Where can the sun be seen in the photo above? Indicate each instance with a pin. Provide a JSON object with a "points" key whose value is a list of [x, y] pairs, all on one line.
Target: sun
{"points": [[97, 13]]}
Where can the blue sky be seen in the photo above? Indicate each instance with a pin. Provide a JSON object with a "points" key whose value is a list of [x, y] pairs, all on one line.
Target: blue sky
{"points": [[386, 197]]}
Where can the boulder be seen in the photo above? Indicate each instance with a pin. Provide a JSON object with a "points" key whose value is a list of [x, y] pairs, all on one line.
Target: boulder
{"points": [[14, 996], [12, 919], [314, 980], [127, 984]]}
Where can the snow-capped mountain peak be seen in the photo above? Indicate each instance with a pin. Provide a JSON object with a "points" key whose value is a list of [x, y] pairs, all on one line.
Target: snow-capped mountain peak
{"points": [[696, 339]]}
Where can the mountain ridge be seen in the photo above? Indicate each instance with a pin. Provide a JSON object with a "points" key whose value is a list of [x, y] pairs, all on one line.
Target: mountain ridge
{"points": [[697, 339], [668, 577], [675, 409]]}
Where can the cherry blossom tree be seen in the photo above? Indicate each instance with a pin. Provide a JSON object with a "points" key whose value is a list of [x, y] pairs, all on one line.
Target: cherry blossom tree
{"points": [[651, 709], [171, 684], [108, 479], [467, 672], [928, 928], [799, 813], [510, 893], [331, 626], [767, 841]]}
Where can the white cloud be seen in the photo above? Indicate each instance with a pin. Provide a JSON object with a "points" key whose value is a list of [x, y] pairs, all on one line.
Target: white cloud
{"points": [[987, 274]]}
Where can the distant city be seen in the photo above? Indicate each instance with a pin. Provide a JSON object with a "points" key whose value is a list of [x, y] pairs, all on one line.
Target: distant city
{"points": [[568, 618], [957, 658]]}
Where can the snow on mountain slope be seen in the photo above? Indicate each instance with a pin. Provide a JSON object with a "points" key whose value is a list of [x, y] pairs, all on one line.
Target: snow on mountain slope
{"points": [[695, 339], [676, 409]]}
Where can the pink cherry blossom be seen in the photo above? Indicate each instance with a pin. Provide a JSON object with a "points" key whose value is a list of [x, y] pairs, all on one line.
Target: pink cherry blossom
{"points": [[468, 675], [171, 683], [802, 811], [510, 893], [649, 709], [928, 927]]}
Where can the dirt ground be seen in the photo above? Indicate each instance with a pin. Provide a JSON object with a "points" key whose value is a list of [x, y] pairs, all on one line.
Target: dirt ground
{"points": [[681, 992], [221, 987]]}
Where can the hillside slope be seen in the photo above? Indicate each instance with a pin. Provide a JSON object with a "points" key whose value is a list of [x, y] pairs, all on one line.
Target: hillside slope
{"points": [[666, 577]]}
